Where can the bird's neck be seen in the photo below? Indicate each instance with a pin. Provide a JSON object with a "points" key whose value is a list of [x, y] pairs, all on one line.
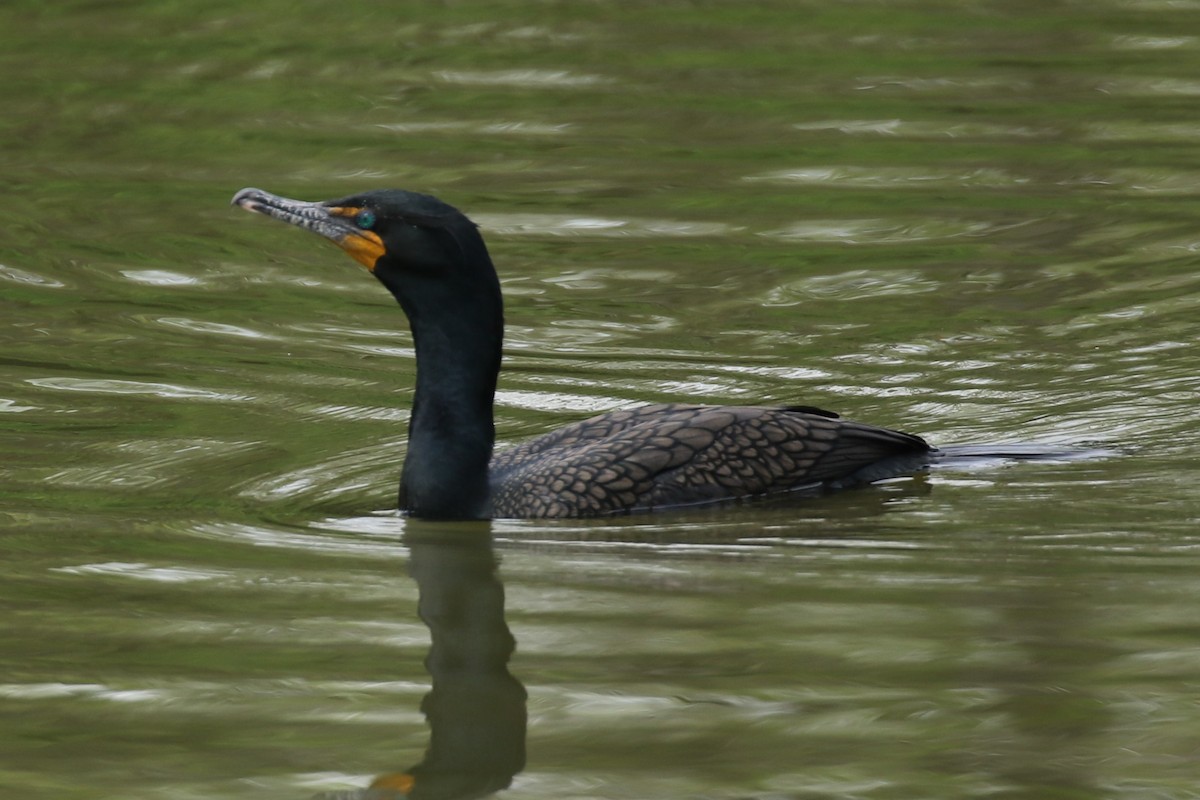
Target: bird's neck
{"points": [[451, 431]]}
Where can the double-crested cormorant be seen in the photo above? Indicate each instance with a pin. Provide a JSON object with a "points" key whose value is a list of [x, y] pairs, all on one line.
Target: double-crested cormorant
{"points": [[433, 259]]}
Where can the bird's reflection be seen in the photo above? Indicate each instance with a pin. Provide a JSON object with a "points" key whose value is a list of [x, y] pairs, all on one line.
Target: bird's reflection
{"points": [[476, 709]]}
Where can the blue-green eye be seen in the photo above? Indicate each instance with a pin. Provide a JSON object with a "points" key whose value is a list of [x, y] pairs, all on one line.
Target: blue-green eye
{"points": [[365, 219]]}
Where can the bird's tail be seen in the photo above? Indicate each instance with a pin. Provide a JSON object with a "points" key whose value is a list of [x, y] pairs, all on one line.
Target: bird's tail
{"points": [[967, 454]]}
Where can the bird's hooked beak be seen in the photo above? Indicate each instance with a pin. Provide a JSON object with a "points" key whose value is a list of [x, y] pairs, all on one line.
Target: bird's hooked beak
{"points": [[339, 224]]}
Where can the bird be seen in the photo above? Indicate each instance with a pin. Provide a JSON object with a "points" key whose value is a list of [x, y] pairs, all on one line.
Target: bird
{"points": [[434, 261]]}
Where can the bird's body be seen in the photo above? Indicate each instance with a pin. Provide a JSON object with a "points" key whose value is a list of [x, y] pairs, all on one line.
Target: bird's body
{"points": [[662, 456], [433, 260]]}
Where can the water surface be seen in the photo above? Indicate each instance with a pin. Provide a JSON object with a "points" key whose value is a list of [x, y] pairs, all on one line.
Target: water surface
{"points": [[974, 221]]}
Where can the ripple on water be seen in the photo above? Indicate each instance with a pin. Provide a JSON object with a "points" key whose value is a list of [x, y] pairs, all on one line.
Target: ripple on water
{"points": [[1132, 42], [883, 231], [268, 70], [1149, 181], [201, 696], [1140, 131], [39, 691], [852, 285], [380, 350], [358, 471], [601, 278], [1115, 326], [544, 400], [945, 84], [10, 406], [477, 128], [566, 225], [143, 464], [160, 277], [926, 129], [221, 329], [307, 540], [15, 275], [356, 413], [123, 387], [141, 571], [781, 374], [1150, 86], [522, 78], [892, 177]]}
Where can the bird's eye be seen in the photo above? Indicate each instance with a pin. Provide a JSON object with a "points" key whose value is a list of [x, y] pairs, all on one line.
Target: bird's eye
{"points": [[365, 219]]}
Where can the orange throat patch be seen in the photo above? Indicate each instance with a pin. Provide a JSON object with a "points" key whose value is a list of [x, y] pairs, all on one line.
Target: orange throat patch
{"points": [[364, 247]]}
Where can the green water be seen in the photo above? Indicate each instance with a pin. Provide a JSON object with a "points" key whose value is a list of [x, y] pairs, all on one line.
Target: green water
{"points": [[972, 220]]}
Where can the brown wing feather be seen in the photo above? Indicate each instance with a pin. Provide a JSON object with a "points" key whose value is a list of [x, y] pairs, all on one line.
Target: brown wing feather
{"points": [[670, 455]]}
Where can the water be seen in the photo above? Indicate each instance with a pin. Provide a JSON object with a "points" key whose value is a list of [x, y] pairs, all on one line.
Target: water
{"points": [[974, 221]]}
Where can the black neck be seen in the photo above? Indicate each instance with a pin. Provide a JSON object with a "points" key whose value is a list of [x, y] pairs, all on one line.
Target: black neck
{"points": [[457, 330]]}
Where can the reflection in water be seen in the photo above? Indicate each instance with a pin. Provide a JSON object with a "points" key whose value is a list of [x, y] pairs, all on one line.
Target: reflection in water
{"points": [[1050, 714], [476, 709]]}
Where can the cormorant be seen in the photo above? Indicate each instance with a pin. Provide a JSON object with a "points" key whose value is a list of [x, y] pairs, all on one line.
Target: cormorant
{"points": [[433, 260]]}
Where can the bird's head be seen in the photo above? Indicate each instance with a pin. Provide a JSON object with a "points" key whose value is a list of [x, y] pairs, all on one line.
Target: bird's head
{"points": [[400, 236]]}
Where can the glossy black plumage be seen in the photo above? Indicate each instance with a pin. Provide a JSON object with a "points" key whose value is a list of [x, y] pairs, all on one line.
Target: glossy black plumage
{"points": [[659, 456], [435, 263]]}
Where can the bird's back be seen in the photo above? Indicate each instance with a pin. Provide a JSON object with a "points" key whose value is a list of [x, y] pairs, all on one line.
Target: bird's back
{"points": [[657, 456]]}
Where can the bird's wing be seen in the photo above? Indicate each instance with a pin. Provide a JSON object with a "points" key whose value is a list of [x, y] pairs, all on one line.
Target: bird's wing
{"points": [[671, 455]]}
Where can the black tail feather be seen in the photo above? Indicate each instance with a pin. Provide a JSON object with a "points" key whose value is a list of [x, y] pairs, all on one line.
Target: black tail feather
{"points": [[1022, 451]]}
